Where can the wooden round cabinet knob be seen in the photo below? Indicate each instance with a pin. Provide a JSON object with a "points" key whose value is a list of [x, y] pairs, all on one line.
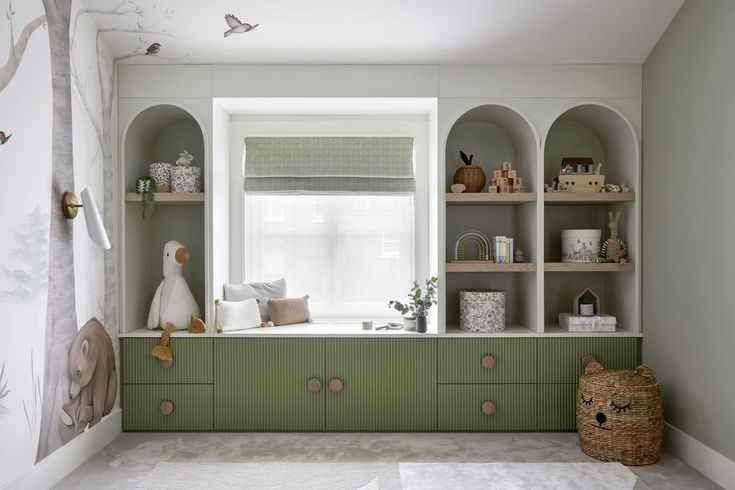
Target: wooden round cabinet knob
{"points": [[335, 385], [166, 407], [314, 385], [488, 361], [488, 407]]}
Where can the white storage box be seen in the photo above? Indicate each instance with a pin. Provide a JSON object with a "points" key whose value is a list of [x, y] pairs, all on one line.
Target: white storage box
{"points": [[595, 323], [482, 310]]}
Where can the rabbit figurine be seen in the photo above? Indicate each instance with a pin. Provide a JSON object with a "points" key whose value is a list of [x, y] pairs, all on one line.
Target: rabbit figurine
{"points": [[614, 249]]}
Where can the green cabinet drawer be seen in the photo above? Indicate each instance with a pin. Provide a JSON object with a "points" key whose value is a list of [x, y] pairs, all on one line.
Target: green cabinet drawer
{"points": [[191, 404], [560, 359], [461, 360], [388, 384], [192, 361], [262, 384], [461, 407], [557, 406]]}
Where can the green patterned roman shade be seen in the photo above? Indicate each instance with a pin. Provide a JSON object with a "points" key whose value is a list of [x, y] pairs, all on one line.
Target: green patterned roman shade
{"points": [[333, 165]]}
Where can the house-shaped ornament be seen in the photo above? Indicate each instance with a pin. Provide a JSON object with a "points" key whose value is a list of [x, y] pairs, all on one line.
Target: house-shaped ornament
{"points": [[594, 321], [587, 294]]}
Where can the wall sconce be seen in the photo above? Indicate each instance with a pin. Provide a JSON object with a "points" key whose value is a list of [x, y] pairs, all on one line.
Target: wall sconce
{"points": [[95, 227]]}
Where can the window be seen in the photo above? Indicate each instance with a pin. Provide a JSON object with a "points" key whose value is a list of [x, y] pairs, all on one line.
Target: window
{"points": [[350, 253]]}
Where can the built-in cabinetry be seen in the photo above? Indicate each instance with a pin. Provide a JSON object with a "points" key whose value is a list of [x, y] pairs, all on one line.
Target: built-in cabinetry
{"points": [[543, 286], [158, 134], [361, 384]]}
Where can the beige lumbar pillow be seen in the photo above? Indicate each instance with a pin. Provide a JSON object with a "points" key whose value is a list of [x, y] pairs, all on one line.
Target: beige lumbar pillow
{"points": [[286, 311], [237, 315]]}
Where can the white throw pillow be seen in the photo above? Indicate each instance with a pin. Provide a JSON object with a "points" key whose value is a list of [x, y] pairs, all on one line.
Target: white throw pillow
{"points": [[237, 315], [258, 290]]}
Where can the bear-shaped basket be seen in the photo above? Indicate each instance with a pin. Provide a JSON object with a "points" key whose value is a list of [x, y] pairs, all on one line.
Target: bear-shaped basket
{"points": [[620, 414]]}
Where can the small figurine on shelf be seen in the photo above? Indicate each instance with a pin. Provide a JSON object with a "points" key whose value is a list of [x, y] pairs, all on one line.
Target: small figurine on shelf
{"points": [[577, 174], [185, 158], [458, 188], [614, 249], [518, 256]]}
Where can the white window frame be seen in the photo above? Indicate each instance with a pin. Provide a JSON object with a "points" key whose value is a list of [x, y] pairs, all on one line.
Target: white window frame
{"points": [[415, 126]]}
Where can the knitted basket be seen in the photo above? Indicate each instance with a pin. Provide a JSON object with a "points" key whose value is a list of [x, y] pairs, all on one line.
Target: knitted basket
{"points": [[620, 415]]}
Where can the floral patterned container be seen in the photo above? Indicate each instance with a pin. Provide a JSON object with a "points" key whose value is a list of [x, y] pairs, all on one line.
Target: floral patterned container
{"points": [[161, 173], [482, 310], [580, 245], [186, 179]]}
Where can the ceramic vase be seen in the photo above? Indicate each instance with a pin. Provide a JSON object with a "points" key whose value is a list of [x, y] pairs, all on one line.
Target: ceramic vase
{"points": [[160, 172], [186, 179]]}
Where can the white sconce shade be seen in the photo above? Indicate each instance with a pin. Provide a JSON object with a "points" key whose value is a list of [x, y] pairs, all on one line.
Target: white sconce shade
{"points": [[95, 227]]}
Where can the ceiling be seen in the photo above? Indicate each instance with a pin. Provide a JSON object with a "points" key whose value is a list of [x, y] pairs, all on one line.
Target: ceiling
{"points": [[386, 31]]}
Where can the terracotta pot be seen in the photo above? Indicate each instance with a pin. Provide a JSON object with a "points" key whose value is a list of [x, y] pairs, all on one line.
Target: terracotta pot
{"points": [[471, 176]]}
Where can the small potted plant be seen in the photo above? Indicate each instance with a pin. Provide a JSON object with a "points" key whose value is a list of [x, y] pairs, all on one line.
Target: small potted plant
{"points": [[417, 307], [144, 187], [586, 306]]}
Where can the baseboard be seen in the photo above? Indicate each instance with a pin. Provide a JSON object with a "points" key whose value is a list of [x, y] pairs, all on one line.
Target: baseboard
{"points": [[59, 464], [702, 458]]}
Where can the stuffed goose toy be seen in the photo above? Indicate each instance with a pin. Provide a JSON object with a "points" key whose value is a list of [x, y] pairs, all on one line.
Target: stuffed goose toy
{"points": [[173, 302]]}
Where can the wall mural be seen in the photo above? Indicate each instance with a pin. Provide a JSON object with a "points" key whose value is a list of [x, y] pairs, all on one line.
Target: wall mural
{"points": [[58, 377]]}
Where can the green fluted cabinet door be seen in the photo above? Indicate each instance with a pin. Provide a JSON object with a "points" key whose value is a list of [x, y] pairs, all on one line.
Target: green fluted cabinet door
{"points": [[192, 361], [387, 384], [560, 359], [508, 407], [505, 360], [263, 384], [557, 406], [165, 407]]}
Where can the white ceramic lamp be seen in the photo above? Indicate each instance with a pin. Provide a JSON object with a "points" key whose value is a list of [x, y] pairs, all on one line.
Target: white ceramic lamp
{"points": [[95, 227]]}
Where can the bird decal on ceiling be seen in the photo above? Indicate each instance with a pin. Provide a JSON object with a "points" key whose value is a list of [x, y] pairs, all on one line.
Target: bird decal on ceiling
{"points": [[153, 49], [236, 26], [4, 139]]}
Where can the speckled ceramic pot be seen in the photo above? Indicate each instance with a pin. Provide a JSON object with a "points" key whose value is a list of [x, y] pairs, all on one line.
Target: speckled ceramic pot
{"points": [[160, 172], [482, 310]]}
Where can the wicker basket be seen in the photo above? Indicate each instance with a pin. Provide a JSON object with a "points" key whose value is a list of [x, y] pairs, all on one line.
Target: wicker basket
{"points": [[620, 415]]}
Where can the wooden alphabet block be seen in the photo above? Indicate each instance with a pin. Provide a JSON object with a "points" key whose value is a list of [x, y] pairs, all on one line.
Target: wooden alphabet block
{"points": [[511, 174], [506, 166], [492, 189]]}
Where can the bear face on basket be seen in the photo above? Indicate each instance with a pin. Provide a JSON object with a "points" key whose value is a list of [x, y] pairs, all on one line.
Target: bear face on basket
{"points": [[620, 415]]}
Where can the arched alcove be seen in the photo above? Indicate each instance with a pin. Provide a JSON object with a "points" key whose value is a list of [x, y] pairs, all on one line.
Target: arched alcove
{"points": [[158, 134], [604, 134], [494, 133]]}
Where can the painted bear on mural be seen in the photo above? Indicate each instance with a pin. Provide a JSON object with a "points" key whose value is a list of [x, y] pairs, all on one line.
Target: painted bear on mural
{"points": [[92, 377]]}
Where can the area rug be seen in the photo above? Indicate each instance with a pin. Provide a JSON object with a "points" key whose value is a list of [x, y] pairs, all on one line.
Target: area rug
{"points": [[377, 475], [613, 476], [272, 475]]}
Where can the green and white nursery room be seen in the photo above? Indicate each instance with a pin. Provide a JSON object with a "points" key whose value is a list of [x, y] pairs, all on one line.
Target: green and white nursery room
{"points": [[368, 244]]}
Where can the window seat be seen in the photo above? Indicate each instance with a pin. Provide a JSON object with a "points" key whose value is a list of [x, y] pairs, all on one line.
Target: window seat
{"points": [[320, 329]]}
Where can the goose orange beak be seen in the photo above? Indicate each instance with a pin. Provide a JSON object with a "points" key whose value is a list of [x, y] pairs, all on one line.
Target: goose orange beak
{"points": [[182, 255]]}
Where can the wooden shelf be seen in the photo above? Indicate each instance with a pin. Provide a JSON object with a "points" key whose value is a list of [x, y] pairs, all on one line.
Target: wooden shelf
{"points": [[488, 199], [572, 198], [486, 266], [169, 198], [591, 267]]}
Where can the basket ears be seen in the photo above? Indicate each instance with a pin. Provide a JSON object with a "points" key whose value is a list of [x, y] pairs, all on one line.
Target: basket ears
{"points": [[591, 366], [646, 371]]}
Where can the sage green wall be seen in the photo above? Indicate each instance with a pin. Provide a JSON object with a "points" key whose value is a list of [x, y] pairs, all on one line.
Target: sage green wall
{"points": [[688, 202]]}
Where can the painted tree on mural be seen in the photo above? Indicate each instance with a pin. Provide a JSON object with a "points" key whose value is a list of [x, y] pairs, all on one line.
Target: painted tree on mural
{"points": [[61, 318], [103, 72], [17, 46]]}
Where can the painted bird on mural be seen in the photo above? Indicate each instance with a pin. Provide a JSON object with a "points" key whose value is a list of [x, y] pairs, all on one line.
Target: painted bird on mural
{"points": [[237, 26], [154, 48], [4, 139]]}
